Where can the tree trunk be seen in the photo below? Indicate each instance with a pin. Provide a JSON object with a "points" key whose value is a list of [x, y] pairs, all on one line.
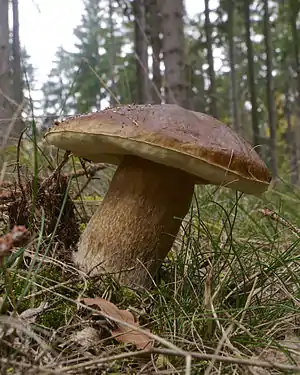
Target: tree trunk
{"points": [[112, 55], [5, 112], [17, 76], [141, 52], [154, 28], [173, 51], [294, 12], [251, 77], [269, 89], [236, 120], [294, 8], [210, 61], [291, 141]]}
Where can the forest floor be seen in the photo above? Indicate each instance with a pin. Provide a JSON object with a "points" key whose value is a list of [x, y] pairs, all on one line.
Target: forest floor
{"points": [[226, 300]]}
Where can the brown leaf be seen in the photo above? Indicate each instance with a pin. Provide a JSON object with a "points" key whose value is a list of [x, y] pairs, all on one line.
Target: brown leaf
{"points": [[123, 334], [17, 236], [110, 309], [129, 336]]}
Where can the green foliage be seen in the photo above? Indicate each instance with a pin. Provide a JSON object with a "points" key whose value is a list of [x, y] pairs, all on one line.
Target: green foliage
{"points": [[99, 68], [58, 316]]}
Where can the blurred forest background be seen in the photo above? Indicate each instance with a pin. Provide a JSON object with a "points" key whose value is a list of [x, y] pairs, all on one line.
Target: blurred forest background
{"points": [[238, 60]]}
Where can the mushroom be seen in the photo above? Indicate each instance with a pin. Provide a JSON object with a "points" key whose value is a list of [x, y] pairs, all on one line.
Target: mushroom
{"points": [[161, 151]]}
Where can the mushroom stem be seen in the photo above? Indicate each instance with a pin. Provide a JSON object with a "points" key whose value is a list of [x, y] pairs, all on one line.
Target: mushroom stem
{"points": [[133, 230]]}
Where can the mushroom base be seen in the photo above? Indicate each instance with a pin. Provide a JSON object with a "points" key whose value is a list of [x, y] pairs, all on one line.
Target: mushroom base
{"points": [[134, 228]]}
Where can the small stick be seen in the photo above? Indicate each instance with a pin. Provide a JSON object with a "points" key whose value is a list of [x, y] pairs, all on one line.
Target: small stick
{"points": [[201, 356], [56, 171], [274, 216], [91, 173]]}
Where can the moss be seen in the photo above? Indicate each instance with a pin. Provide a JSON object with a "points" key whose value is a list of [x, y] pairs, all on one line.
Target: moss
{"points": [[82, 227], [128, 297], [89, 198], [60, 311], [58, 316], [50, 274], [47, 277]]}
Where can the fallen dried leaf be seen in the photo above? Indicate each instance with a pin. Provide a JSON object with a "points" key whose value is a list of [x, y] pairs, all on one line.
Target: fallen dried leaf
{"points": [[16, 237], [122, 333]]}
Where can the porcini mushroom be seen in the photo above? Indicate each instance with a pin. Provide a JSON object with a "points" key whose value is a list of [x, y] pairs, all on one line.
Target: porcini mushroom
{"points": [[161, 151]]}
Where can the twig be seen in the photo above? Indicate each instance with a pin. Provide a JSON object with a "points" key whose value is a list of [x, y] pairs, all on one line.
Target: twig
{"points": [[87, 171], [2, 174], [201, 356], [91, 173], [30, 368], [56, 171], [18, 162], [188, 365], [228, 359], [274, 216], [219, 347], [99, 361], [101, 81]]}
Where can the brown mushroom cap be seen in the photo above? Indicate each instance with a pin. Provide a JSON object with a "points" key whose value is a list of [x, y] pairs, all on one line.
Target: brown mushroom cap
{"points": [[167, 134]]}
